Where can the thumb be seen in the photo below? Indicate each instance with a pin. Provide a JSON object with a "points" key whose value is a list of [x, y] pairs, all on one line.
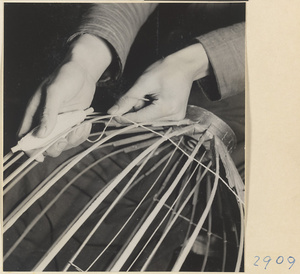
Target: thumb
{"points": [[49, 115], [148, 114], [124, 104], [132, 100]]}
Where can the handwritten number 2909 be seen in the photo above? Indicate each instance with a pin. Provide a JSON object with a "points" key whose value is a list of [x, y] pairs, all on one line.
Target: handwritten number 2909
{"points": [[291, 260]]}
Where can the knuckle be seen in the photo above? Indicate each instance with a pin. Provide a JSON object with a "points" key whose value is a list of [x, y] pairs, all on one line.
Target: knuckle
{"points": [[176, 112]]}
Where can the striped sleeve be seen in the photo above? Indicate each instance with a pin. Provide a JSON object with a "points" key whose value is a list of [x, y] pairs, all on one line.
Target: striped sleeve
{"points": [[117, 23], [225, 49]]}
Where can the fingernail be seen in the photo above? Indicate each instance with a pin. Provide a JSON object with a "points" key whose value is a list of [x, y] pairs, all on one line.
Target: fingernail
{"points": [[79, 131], [88, 127], [40, 158], [41, 131], [61, 145], [121, 120], [113, 109]]}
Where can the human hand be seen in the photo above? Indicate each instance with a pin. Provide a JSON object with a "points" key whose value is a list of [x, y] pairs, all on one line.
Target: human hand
{"points": [[162, 92], [71, 87]]}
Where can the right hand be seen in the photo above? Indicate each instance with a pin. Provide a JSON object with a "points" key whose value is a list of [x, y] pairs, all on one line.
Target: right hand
{"points": [[71, 87]]}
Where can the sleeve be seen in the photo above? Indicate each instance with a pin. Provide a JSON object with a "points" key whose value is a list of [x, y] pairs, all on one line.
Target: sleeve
{"points": [[118, 24], [225, 49]]}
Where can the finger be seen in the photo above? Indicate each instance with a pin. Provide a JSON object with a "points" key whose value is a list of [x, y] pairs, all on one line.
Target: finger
{"points": [[79, 135], [133, 99], [29, 114], [124, 104], [40, 158], [148, 114], [140, 104], [135, 105], [154, 112], [57, 148], [31, 153], [50, 112]]}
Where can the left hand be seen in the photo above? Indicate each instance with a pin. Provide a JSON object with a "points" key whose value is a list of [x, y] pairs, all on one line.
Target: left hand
{"points": [[167, 83]]}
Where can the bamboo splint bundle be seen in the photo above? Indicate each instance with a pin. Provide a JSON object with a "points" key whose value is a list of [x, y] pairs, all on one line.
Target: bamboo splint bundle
{"points": [[139, 197]]}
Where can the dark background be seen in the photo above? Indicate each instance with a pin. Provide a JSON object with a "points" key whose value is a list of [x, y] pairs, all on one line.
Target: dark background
{"points": [[35, 42], [35, 37]]}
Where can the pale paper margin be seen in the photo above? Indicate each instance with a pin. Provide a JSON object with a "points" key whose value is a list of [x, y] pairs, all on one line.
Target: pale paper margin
{"points": [[272, 133]]}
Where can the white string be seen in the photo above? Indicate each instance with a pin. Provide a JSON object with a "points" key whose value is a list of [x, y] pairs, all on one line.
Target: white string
{"points": [[94, 141], [164, 137]]}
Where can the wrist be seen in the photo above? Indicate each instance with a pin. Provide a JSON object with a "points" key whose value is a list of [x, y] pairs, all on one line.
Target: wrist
{"points": [[92, 54], [194, 60]]}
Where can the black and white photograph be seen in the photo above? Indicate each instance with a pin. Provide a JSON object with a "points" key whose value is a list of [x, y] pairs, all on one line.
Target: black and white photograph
{"points": [[124, 136]]}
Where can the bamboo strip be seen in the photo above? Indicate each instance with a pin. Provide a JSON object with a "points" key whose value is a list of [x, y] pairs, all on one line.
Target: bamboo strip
{"points": [[133, 139], [153, 214], [11, 162], [30, 166], [133, 131], [188, 246], [147, 211], [42, 264], [236, 186], [122, 193], [76, 254], [38, 153], [178, 202], [208, 193], [154, 167], [195, 200], [224, 249], [220, 207], [29, 200], [232, 174], [180, 193], [22, 206], [72, 229], [211, 171], [46, 187], [177, 214], [21, 167], [7, 156], [241, 246], [19, 177], [169, 225], [45, 209]]}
